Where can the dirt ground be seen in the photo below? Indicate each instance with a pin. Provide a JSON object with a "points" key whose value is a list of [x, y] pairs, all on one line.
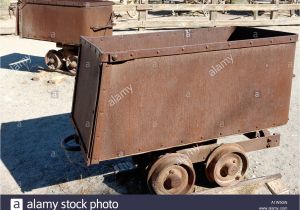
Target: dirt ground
{"points": [[34, 115]]}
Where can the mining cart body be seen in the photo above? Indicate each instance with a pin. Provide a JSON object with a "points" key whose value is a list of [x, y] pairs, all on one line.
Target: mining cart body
{"points": [[173, 91]]}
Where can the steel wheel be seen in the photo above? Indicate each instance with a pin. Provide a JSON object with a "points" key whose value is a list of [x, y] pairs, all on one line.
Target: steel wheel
{"points": [[172, 174], [71, 63], [226, 165], [53, 60]]}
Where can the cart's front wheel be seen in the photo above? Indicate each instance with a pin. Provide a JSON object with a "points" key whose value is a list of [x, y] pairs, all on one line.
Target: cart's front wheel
{"points": [[226, 165], [172, 174]]}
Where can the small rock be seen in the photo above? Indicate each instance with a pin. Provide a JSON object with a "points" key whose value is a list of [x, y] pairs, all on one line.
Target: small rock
{"points": [[35, 79], [59, 79], [51, 82]]}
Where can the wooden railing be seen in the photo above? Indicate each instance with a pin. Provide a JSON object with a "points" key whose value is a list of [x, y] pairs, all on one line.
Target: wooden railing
{"points": [[142, 21]]}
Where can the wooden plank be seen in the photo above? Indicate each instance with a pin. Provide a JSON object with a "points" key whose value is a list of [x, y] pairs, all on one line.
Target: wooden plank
{"points": [[7, 30], [277, 187], [207, 7], [245, 187], [4, 12], [115, 1], [200, 23]]}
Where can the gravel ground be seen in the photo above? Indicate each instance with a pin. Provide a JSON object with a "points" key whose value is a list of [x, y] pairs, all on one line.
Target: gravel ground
{"points": [[34, 116]]}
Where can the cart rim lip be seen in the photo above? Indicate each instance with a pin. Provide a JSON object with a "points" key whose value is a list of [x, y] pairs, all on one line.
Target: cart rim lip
{"points": [[126, 55]]}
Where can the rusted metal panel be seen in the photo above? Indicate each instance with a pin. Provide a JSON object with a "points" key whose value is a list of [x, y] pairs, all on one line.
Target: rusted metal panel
{"points": [[155, 102], [84, 107], [64, 21], [148, 53]]}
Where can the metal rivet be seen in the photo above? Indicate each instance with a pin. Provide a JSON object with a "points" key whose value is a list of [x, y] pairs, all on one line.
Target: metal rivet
{"points": [[115, 57], [121, 153], [182, 49], [257, 94], [157, 51], [251, 42], [206, 46]]}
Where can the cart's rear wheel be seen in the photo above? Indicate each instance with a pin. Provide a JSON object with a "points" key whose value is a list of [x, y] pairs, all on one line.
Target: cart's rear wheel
{"points": [[54, 60], [226, 165], [71, 63], [172, 174]]}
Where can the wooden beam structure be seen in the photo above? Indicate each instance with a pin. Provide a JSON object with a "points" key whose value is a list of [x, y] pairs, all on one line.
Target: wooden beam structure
{"points": [[196, 24], [206, 7], [142, 22]]}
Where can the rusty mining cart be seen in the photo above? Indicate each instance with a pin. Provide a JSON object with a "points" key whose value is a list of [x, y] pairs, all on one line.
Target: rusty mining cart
{"points": [[63, 22], [170, 96]]}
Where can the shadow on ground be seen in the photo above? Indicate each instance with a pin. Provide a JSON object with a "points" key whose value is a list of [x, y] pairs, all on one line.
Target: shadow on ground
{"points": [[32, 153], [128, 182], [22, 62]]}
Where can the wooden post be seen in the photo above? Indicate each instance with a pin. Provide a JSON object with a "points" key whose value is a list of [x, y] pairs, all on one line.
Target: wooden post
{"points": [[213, 14], [142, 14], [292, 12], [274, 14], [255, 12], [255, 15]]}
